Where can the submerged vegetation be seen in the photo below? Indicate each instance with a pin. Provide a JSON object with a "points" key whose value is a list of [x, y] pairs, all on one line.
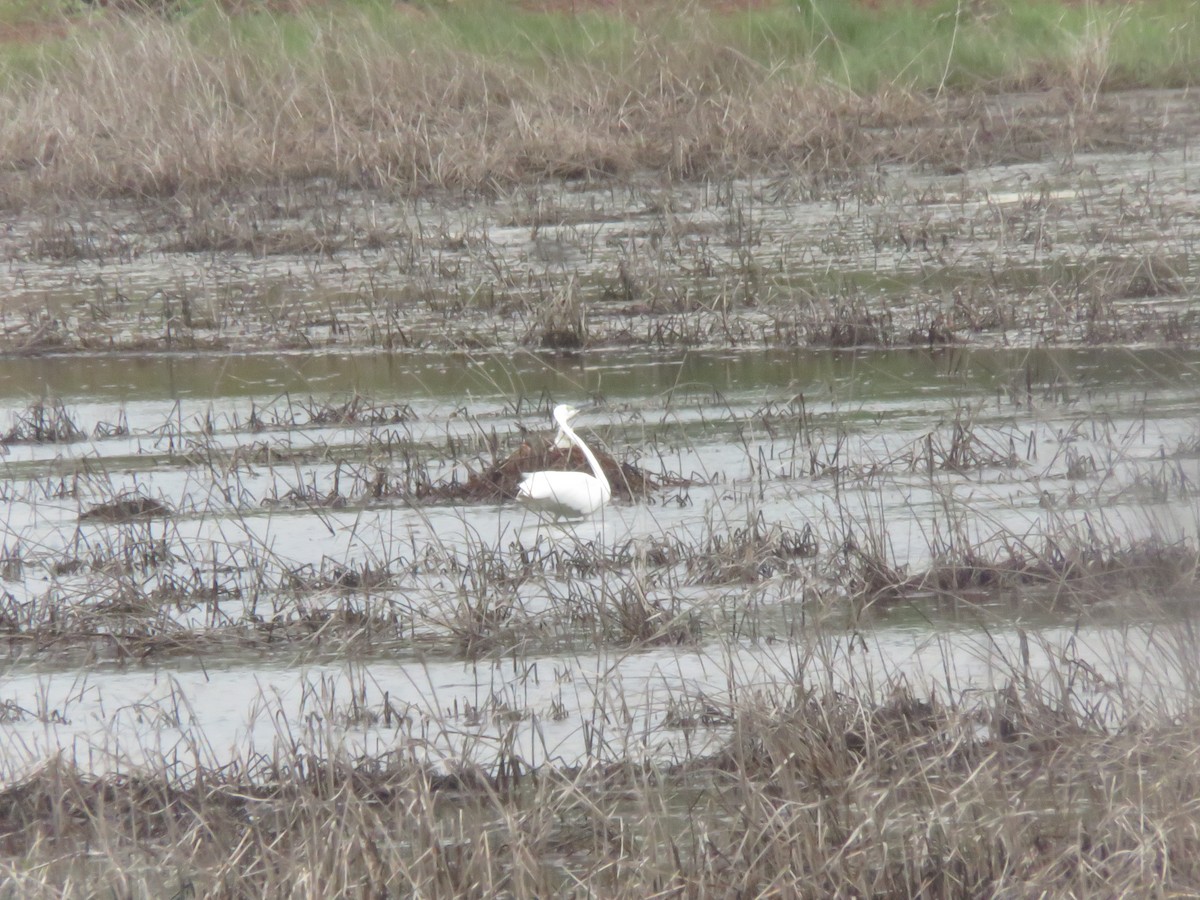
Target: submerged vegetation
{"points": [[889, 311]]}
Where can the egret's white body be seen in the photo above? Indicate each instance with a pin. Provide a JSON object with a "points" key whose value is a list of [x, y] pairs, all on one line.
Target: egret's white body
{"points": [[566, 494]]}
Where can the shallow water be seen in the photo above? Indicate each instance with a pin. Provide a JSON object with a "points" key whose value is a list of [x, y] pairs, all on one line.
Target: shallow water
{"points": [[1026, 382], [659, 704], [849, 445]]}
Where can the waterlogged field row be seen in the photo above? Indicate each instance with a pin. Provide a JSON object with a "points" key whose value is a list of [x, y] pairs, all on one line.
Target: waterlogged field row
{"points": [[166, 541], [1096, 251]]}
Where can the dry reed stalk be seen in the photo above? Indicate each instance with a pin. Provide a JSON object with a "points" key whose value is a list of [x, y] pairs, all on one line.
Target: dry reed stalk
{"points": [[139, 106]]}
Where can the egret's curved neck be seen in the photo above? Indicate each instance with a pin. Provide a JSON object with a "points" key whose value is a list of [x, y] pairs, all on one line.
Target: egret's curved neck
{"points": [[587, 452]]}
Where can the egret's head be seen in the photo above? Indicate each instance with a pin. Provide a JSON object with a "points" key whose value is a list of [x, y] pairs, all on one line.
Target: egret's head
{"points": [[564, 413]]}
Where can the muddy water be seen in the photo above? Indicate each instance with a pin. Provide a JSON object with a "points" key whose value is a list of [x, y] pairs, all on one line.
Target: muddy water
{"points": [[152, 638], [894, 370]]}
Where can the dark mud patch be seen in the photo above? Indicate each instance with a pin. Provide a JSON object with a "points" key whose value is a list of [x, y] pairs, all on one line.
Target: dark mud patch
{"points": [[129, 508]]}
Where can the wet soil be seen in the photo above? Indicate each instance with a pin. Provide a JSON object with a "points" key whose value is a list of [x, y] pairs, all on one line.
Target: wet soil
{"points": [[1090, 249]]}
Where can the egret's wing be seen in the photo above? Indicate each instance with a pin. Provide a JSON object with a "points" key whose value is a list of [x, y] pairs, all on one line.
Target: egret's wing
{"points": [[569, 494]]}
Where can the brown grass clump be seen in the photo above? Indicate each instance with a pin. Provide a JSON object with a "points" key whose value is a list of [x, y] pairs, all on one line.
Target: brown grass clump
{"points": [[43, 423], [855, 327], [1077, 570], [310, 412], [1070, 568], [751, 553], [126, 508]]}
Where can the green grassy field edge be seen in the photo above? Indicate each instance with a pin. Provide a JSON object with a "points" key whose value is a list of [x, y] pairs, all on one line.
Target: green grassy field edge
{"points": [[975, 46]]}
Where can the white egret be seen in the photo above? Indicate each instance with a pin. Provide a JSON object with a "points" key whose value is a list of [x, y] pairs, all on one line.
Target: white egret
{"points": [[566, 494]]}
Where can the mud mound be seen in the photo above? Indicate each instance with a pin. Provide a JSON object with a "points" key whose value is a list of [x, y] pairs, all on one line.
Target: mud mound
{"points": [[499, 481], [126, 508]]}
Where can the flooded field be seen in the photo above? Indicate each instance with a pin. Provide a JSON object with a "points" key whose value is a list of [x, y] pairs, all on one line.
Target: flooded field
{"points": [[1097, 250], [910, 436], [203, 526]]}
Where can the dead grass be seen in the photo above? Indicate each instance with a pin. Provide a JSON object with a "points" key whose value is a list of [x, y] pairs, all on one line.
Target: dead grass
{"points": [[1025, 790], [43, 422], [359, 105], [1063, 258]]}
